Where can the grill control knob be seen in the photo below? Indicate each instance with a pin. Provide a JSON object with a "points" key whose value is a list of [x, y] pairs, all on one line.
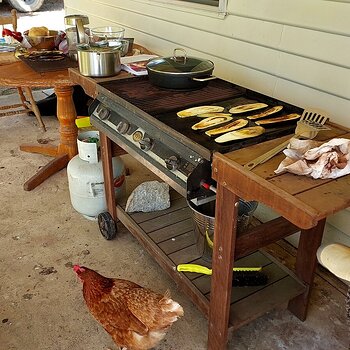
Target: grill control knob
{"points": [[104, 113], [172, 163], [137, 136], [146, 144], [123, 127]]}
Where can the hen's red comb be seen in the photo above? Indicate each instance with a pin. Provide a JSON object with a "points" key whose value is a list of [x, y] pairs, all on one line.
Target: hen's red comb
{"points": [[76, 268]]}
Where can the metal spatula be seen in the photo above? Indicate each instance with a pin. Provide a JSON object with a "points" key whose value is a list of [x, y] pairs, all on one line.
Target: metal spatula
{"points": [[310, 123]]}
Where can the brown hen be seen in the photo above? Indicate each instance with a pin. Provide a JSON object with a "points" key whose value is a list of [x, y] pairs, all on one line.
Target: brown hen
{"points": [[135, 317]]}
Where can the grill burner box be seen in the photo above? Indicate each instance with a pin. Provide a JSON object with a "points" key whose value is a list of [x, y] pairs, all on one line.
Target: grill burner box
{"points": [[142, 118]]}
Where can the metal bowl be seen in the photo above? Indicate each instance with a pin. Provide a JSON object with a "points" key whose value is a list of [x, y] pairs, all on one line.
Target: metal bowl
{"points": [[43, 42]]}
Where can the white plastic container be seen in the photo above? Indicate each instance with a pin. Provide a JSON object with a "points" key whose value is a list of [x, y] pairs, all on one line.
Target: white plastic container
{"points": [[85, 178]]}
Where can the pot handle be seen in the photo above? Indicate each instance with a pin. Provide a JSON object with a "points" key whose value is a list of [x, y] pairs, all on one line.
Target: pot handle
{"points": [[182, 58], [205, 79]]}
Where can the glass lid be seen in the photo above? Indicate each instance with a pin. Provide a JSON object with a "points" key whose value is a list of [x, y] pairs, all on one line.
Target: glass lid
{"points": [[179, 64]]}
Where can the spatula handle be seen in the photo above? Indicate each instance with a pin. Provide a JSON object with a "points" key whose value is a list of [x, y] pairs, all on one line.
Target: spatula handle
{"points": [[266, 156]]}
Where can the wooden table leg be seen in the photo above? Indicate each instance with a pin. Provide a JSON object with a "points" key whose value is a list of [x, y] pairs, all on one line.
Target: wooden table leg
{"points": [[106, 156], [67, 147], [66, 115], [45, 172], [306, 263], [223, 257]]}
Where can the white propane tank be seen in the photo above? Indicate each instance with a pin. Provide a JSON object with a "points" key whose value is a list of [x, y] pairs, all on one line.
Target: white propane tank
{"points": [[85, 178]]}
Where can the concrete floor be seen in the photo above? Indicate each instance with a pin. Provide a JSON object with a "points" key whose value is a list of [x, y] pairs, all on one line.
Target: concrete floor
{"points": [[41, 237]]}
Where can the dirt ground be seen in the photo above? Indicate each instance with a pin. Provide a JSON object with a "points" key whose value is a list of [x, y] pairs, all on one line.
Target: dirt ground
{"points": [[41, 236]]}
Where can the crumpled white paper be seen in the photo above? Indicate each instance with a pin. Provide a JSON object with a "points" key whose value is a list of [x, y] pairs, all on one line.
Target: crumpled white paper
{"points": [[328, 160]]}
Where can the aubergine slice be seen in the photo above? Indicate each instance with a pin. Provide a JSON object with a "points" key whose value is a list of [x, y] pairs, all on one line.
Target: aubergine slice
{"points": [[193, 111], [247, 107], [252, 131], [237, 124], [210, 122], [277, 120], [213, 114], [273, 110]]}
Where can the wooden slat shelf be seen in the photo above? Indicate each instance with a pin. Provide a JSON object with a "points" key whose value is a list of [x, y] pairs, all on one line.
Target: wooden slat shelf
{"points": [[169, 237]]}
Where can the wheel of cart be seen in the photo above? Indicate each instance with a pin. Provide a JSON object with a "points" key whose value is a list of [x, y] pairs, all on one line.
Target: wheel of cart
{"points": [[107, 225]]}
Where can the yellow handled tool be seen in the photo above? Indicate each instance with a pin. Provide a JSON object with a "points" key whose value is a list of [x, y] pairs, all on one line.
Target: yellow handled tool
{"points": [[206, 271], [242, 277], [83, 122]]}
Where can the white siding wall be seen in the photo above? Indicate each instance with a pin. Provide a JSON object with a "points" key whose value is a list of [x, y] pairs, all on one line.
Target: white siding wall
{"points": [[295, 50]]}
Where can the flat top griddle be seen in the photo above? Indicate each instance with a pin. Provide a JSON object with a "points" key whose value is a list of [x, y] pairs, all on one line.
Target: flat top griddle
{"points": [[163, 104]]}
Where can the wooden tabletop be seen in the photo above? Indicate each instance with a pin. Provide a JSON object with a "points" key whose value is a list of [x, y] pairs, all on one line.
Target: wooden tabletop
{"points": [[19, 74], [301, 200]]}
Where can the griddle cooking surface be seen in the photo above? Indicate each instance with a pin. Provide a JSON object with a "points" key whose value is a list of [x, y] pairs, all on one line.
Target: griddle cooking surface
{"points": [[163, 104], [183, 125], [154, 100]]}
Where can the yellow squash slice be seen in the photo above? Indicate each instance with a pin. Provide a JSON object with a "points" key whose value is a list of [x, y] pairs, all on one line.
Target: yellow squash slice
{"points": [[282, 119], [191, 112], [244, 133], [237, 124], [210, 122], [264, 114], [213, 114], [247, 108]]}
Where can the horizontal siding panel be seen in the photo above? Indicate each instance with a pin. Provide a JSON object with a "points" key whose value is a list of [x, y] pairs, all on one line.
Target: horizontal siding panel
{"points": [[221, 47], [306, 97], [328, 16], [309, 43], [263, 33], [329, 48], [321, 76]]}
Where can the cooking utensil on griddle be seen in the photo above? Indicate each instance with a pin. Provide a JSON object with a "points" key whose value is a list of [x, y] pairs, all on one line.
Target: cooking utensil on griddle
{"points": [[311, 122], [242, 276]]}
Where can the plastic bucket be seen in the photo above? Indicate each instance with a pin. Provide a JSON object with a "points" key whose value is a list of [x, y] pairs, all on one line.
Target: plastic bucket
{"points": [[204, 221]]}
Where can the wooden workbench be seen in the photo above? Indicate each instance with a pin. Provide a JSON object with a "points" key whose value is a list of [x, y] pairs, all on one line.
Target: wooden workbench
{"points": [[300, 200], [168, 235]]}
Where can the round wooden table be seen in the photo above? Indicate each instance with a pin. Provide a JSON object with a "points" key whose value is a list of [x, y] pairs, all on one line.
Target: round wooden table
{"points": [[19, 74]]}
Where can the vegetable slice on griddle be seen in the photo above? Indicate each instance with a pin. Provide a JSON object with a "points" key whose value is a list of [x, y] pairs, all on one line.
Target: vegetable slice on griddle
{"points": [[244, 133], [237, 124], [193, 111], [210, 122], [213, 114], [270, 111], [247, 107], [281, 119]]}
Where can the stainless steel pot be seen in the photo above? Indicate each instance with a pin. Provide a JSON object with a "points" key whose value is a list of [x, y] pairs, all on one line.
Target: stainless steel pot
{"points": [[180, 71], [98, 61]]}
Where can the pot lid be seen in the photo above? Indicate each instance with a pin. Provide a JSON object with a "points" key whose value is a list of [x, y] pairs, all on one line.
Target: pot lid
{"points": [[180, 64], [101, 46]]}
